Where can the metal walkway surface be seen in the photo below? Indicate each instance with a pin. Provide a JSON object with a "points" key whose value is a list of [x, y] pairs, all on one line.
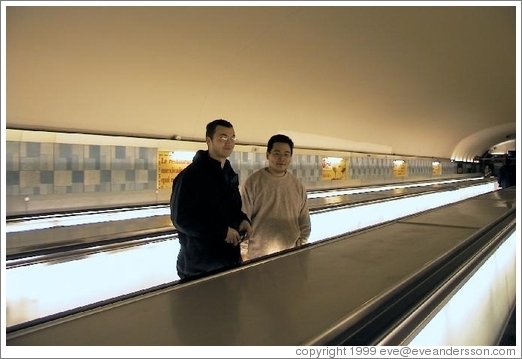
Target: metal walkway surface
{"points": [[297, 298]]}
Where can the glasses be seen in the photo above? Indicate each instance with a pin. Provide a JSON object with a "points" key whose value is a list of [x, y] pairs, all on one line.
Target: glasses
{"points": [[224, 138]]}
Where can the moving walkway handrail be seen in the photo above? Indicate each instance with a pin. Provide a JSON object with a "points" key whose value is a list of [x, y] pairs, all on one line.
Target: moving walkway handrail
{"points": [[397, 314], [409, 327]]}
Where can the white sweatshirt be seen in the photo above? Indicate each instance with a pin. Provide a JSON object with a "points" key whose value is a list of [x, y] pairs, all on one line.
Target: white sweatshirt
{"points": [[278, 209]]}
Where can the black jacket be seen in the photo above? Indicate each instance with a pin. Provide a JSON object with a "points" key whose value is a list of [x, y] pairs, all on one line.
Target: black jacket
{"points": [[507, 176], [205, 201]]}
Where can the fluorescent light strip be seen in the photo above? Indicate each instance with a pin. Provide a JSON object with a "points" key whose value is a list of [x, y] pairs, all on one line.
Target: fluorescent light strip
{"points": [[484, 298], [37, 290], [109, 216]]}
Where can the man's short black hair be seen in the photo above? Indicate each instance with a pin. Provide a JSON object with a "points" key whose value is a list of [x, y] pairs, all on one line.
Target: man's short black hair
{"points": [[282, 139], [211, 126]]}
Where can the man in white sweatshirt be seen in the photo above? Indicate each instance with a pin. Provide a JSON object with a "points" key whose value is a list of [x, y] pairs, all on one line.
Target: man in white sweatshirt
{"points": [[276, 203]]}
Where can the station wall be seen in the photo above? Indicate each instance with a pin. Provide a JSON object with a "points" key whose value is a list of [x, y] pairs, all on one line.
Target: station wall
{"points": [[52, 171]]}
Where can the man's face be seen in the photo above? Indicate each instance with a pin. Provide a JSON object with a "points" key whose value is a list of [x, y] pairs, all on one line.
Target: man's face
{"points": [[222, 143], [279, 157]]}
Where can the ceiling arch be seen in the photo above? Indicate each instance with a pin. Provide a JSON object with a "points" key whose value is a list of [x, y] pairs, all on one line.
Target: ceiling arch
{"points": [[437, 81], [481, 141]]}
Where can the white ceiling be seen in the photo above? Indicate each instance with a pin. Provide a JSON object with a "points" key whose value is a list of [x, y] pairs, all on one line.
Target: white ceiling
{"points": [[437, 81]]}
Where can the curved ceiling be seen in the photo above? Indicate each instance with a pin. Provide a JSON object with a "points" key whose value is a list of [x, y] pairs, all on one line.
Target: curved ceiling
{"points": [[437, 81]]}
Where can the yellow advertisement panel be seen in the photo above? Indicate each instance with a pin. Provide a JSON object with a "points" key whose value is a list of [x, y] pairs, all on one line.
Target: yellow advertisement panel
{"points": [[334, 168], [168, 168], [400, 168], [437, 168]]}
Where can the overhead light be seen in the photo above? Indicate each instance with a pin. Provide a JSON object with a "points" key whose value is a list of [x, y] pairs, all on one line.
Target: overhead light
{"points": [[334, 161], [182, 155]]}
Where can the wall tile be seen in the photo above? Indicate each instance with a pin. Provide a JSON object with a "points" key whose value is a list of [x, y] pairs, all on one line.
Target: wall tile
{"points": [[77, 188], [78, 164], [91, 177], [94, 151], [119, 152], [12, 178], [29, 179], [12, 156], [130, 175], [142, 176], [62, 164], [46, 188], [46, 177], [64, 150], [105, 176], [29, 163], [32, 149], [62, 179], [77, 177], [118, 177], [12, 190]]}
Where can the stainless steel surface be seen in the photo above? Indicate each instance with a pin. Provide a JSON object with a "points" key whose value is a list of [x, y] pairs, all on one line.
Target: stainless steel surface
{"points": [[285, 300]]}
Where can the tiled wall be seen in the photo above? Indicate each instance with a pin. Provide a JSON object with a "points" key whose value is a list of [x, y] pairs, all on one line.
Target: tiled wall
{"points": [[35, 168], [369, 167], [305, 167], [449, 167], [420, 168]]}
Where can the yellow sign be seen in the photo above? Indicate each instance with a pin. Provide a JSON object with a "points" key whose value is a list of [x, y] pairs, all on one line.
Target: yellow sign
{"points": [[334, 168], [168, 168], [400, 168], [437, 168]]}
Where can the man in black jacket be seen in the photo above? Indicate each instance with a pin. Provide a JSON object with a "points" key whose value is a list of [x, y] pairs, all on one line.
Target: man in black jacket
{"points": [[507, 174], [205, 207]]}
